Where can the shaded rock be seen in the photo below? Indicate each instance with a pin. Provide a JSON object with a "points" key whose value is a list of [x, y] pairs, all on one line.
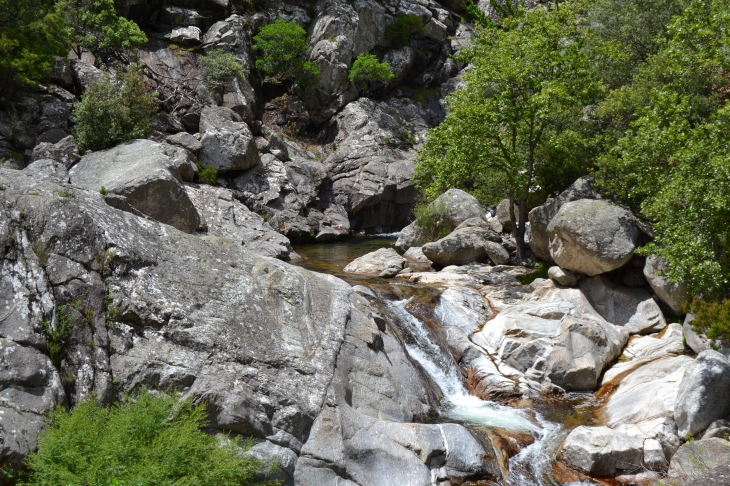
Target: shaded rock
{"points": [[179, 16], [564, 277], [541, 216], [600, 451], [631, 308], [695, 459], [704, 394], [384, 262], [464, 246], [400, 61], [502, 215], [64, 151], [184, 140], [719, 429], [84, 75], [139, 171], [410, 236], [226, 217], [673, 295], [226, 142], [592, 236]]}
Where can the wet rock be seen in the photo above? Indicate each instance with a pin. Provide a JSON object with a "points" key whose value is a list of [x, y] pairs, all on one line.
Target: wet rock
{"points": [[226, 142], [672, 294], [563, 277], [226, 217], [139, 171], [592, 236], [695, 459], [600, 451], [464, 246], [541, 216], [704, 394], [384, 262]]}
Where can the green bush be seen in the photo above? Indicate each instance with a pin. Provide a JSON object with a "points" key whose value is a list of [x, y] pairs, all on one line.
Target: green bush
{"points": [[366, 70], [207, 174], [430, 218], [148, 440], [218, 69], [114, 111], [400, 31], [282, 53], [712, 318]]}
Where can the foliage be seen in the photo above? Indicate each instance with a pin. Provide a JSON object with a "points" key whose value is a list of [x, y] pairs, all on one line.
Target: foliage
{"points": [[59, 330], [207, 174], [518, 121], [114, 111], [541, 271], [403, 27], [367, 70], [32, 32], [711, 318], [146, 440], [429, 217], [672, 162], [283, 51], [218, 69], [96, 26], [67, 193]]}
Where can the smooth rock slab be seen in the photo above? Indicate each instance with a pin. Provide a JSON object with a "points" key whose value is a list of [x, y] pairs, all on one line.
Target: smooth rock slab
{"points": [[385, 262], [602, 452]]}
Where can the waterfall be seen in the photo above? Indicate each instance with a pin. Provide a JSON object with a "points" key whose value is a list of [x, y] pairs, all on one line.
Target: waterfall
{"points": [[532, 466]]}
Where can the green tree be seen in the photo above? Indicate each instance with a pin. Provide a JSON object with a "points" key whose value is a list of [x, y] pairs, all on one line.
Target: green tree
{"points": [[403, 27], [219, 68], [673, 163], [97, 27], [366, 70], [149, 440], [282, 52], [114, 111], [31, 34], [523, 103]]}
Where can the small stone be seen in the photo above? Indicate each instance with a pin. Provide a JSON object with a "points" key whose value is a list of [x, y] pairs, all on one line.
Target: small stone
{"points": [[564, 277]]}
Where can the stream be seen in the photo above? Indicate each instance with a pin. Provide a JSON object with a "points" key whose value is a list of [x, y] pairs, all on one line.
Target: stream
{"points": [[533, 465]]}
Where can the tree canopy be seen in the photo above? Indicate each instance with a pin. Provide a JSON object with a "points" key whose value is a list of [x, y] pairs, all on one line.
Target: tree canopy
{"points": [[282, 52]]}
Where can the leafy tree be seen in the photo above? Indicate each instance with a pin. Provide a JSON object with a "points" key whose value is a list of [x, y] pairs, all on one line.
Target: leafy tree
{"points": [[672, 162], [31, 34], [219, 68], [367, 70], [150, 440], [97, 27], [283, 51], [114, 111], [523, 101], [403, 27]]}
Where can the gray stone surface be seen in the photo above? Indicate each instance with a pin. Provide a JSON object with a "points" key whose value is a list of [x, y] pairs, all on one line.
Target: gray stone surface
{"points": [[600, 451], [695, 460], [541, 216], [140, 171], [592, 236], [564, 277], [464, 246], [700, 342], [704, 394], [410, 236], [385, 262], [49, 170], [226, 141], [672, 294], [64, 152]]}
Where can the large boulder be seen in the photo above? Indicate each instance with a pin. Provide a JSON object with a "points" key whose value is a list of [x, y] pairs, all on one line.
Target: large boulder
{"points": [[464, 246], [226, 217], [698, 342], [541, 216], [696, 459], [592, 236], [385, 262], [600, 451], [142, 172], [409, 237], [226, 142], [704, 394], [674, 295]]}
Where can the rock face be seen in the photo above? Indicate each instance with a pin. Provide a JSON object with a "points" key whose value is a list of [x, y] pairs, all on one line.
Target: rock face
{"points": [[592, 236], [464, 246], [672, 294], [384, 262], [541, 216], [696, 459], [144, 174], [226, 142], [704, 394], [225, 217], [600, 451]]}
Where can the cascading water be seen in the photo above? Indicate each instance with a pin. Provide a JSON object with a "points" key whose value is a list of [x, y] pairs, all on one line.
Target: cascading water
{"points": [[532, 466]]}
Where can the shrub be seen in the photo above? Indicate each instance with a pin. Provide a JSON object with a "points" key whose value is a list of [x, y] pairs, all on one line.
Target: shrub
{"points": [[207, 174], [430, 218], [148, 440], [399, 32], [283, 51], [114, 111], [218, 69], [712, 318], [366, 70]]}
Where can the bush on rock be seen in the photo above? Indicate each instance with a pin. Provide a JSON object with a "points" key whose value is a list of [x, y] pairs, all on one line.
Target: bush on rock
{"points": [[282, 52], [218, 69], [366, 70], [400, 31]]}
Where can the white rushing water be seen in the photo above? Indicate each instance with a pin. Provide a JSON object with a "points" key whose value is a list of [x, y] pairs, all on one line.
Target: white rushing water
{"points": [[532, 466]]}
